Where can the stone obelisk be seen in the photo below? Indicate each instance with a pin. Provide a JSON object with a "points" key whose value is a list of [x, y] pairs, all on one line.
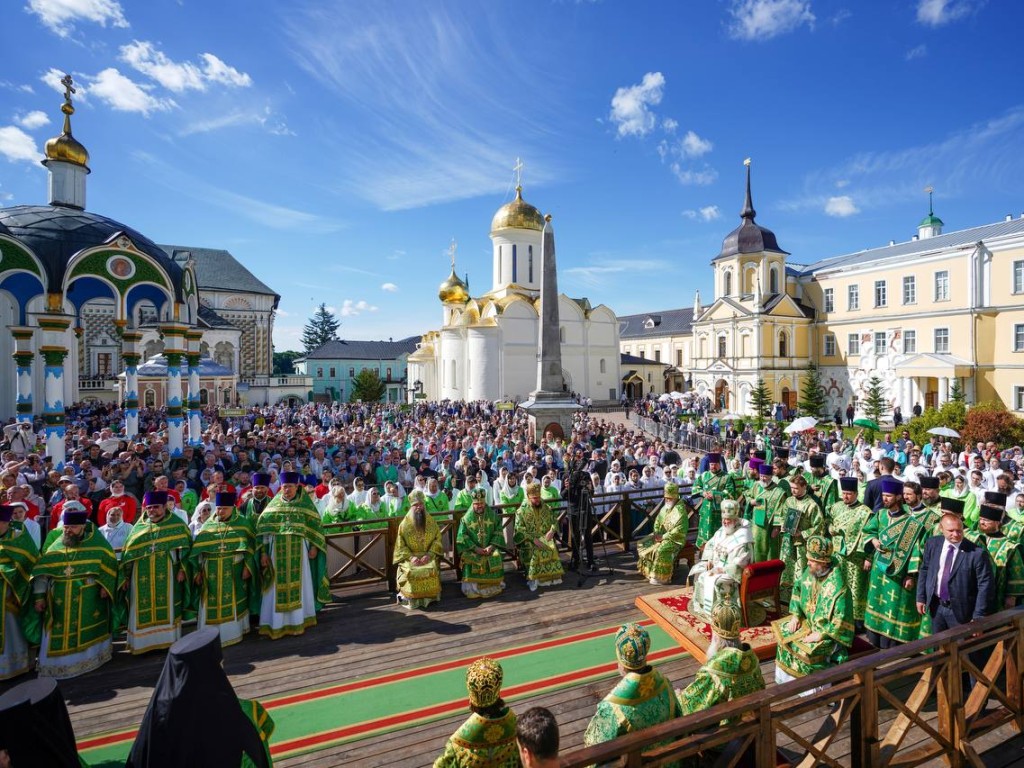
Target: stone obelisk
{"points": [[549, 406]]}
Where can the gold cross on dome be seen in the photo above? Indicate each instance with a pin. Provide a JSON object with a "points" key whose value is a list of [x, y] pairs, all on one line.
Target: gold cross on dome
{"points": [[68, 87], [451, 252], [517, 169]]}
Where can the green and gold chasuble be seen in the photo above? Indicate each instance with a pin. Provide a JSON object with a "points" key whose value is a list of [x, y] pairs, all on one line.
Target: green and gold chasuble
{"points": [[638, 701], [254, 507], [76, 616], [292, 523], [826, 488], [264, 723], [150, 561], [481, 530], [823, 605], [846, 526], [420, 584], [482, 741], [891, 608], [657, 559], [768, 509], [729, 674], [1007, 565], [18, 555], [720, 485], [221, 550], [542, 562], [801, 519]]}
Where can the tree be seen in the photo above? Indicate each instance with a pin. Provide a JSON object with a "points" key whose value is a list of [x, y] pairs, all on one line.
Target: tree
{"points": [[875, 402], [368, 387], [991, 421], [956, 392], [761, 402], [283, 362], [322, 327], [812, 398], [952, 414]]}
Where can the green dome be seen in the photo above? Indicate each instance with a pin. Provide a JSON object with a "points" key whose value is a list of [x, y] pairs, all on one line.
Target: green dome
{"points": [[931, 220]]}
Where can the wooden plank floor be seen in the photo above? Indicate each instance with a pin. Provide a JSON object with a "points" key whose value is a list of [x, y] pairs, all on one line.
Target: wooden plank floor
{"points": [[366, 633]]}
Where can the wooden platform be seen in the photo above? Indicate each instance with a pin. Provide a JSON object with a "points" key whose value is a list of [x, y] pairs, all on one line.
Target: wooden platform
{"points": [[366, 633]]}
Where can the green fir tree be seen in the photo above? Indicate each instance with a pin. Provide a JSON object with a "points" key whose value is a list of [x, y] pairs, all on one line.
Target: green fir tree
{"points": [[761, 402], [322, 327], [812, 397]]}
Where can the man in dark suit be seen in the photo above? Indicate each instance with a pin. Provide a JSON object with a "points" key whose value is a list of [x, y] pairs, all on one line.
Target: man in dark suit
{"points": [[873, 489], [955, 584]]}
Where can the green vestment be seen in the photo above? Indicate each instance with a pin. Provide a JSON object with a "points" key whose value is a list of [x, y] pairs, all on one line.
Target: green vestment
{"points": [[481, 530], [419, 584], [801, 519], [657, 559], [18, 554], [221, 551], [721, 486], [291, 524], [1007, 566], [823, 605], [768, 509], [826, 488], [846, 525], [729, 674], [638, 701], [482, 742], [542, 563], [891, 608]]}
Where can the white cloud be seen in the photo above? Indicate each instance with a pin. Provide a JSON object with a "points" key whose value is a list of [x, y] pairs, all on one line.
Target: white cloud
{"points": [[668, 125], [707, 213], [178, 77], [32, 120], [842, 183], [350, 308], [917, 52], [631, 105], [9, 86], [764, 19], [935, 13], [605, 271], [281, 313], [60, 15], [16, 145], [689, 176], [841, 206], [52, 77], [694, 146], [125, 95], [267, 119], [389, 287]]}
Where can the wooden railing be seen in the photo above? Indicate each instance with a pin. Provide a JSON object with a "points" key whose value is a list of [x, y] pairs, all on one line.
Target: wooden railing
{"points": [[360, 553], [874, 703]]}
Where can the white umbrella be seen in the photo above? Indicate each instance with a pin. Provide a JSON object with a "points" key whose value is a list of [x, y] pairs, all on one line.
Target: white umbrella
{"points": [[677, 395], [730, 417], [662, 398], [801, 425], [943, 432]]}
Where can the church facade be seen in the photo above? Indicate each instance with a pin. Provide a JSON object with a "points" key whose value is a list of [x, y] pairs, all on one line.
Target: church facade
{"points": [[487, 346], [935, 313]]}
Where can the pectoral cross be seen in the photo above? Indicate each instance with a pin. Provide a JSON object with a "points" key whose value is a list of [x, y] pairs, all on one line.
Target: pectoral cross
{"points": [[223, 547], [68, 571], [152, 549]]}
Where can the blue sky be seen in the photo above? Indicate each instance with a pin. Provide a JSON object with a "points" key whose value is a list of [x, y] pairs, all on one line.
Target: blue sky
{"points": [[337, 148]]}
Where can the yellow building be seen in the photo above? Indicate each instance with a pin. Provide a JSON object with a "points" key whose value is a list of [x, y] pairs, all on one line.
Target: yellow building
{"points": [[920, 314]]}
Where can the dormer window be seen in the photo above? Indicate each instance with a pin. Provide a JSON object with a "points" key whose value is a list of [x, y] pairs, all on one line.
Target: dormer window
{"points": [[652, 321]]}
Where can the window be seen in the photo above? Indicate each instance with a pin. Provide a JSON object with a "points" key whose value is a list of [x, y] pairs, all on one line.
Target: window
{"points": [[648, 378], [721, 346], [773, 280], [853, 344], [515, 265], [879, 343], [942, 340], [643, 354], [727, 284], [783, 348], [389, 374], [942, 285], [679, 358], [1018, 337], [319, 372], [853, 297], [601, 366], [1018, 277], [830, 345], [909, 290], [104, 360], [561, 334], [531, 263], [830, 299], [1018, 398], [351, 373], [881, 293], [334, 373], [909, 342], [657, 355]]}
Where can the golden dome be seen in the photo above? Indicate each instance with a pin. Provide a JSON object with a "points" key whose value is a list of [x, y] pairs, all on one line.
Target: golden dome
{"points": [[518, 214], [66, 147], [453, 290]]}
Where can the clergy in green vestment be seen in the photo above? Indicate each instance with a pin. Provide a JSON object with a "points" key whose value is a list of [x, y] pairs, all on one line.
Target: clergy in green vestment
{"points": [[480, 543], [223, 561], [488, 738], [73, 584], [18, 554], [732, 668], [259, 496], [642, 698], [767, 510], [847, 520], [293, 561], [801, 518], [713, 487], [417, 551], [535, 527], [821, 482], [153, 575], [1004, 552], [895, 536], [818, 632], [658, 552]]}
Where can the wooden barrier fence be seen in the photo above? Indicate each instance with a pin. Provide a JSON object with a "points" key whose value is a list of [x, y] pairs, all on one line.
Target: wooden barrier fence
{"points": [[871, 705]]}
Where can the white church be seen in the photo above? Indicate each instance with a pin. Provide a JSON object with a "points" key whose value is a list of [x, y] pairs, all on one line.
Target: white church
{"points": [[487, 347]]}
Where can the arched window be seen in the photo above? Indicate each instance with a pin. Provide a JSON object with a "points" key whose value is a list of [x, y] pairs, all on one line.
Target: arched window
{"points": [[561, 334], [721, 345], [727, 283], [783, 346], [531, 263], [149, 399], [773, 279], [515, 265], [602, 366], [204, 397]]}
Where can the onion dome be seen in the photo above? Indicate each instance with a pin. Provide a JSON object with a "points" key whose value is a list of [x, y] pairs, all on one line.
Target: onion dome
{"points": [[518, 214], [66, 147], [453, 290], [749, 237]]}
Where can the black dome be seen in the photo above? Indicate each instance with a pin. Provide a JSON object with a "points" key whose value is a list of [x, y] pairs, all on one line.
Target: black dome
{"points": [[55, 234], [749, 237]]}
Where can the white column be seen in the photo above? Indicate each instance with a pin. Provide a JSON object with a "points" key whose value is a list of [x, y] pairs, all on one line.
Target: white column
{"points": [[915, 392], [906, 397], [943, 390]]}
